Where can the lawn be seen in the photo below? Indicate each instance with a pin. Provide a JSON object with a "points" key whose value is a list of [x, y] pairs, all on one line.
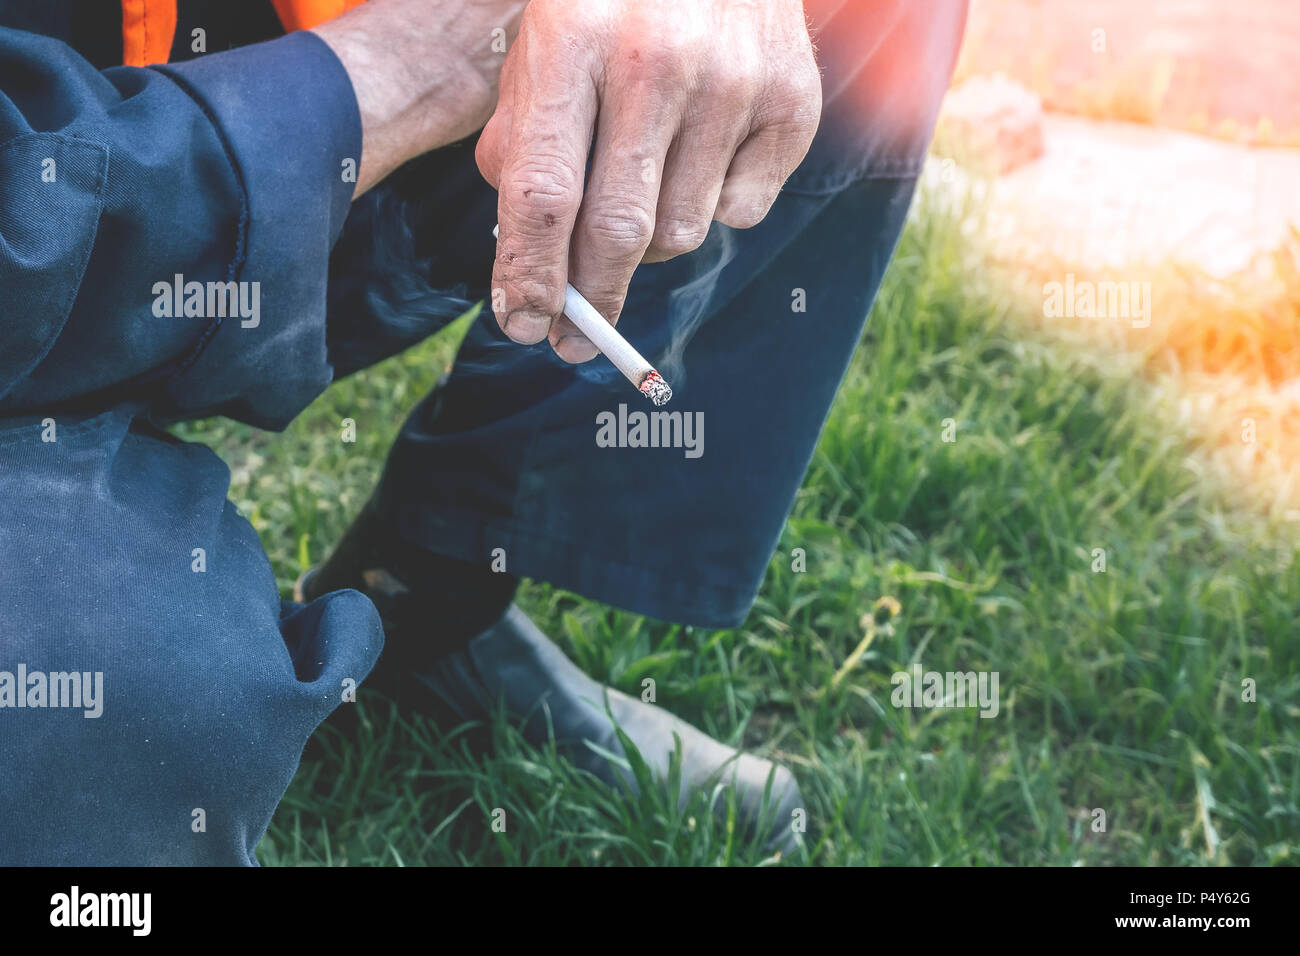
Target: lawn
{"points": [[1121, 690]]}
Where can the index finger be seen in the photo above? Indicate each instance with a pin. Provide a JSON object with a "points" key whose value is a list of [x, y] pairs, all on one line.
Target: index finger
{"points": [[541, 186]]}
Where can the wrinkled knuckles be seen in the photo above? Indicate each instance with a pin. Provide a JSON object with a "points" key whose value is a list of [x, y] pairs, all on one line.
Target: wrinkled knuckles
{"points": [[674, 238], [620, 233], [541, 195]]}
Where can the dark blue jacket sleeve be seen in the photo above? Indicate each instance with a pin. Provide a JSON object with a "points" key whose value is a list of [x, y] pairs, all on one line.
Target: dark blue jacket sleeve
{"points": [[228, 168]]}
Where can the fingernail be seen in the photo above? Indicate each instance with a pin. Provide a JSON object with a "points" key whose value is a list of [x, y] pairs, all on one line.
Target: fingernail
{"points": [[527, 327], [575, 348]]}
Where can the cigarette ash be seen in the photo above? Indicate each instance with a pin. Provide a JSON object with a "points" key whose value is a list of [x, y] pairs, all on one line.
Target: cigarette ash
{"points": [[656, 389]]}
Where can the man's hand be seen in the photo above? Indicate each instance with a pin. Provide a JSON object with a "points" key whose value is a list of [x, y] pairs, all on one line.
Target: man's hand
{"points": [[700, 110], [424, 72]]}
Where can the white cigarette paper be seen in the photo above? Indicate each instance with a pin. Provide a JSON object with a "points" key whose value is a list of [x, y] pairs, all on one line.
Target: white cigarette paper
{"points": [[610, 341]]}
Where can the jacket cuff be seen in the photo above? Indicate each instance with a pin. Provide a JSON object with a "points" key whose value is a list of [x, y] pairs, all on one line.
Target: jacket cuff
{"points": [[288, 118]]}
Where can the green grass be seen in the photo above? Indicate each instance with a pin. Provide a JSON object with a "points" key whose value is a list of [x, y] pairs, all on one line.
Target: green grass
{"points": [[1119, 690]]}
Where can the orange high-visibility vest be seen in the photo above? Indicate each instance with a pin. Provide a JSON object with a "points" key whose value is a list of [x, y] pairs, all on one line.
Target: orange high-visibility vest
{"points": [[148, 26]]}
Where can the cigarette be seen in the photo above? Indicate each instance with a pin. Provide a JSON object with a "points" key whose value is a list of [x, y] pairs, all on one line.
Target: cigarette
{"points": [[610, 341]]}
